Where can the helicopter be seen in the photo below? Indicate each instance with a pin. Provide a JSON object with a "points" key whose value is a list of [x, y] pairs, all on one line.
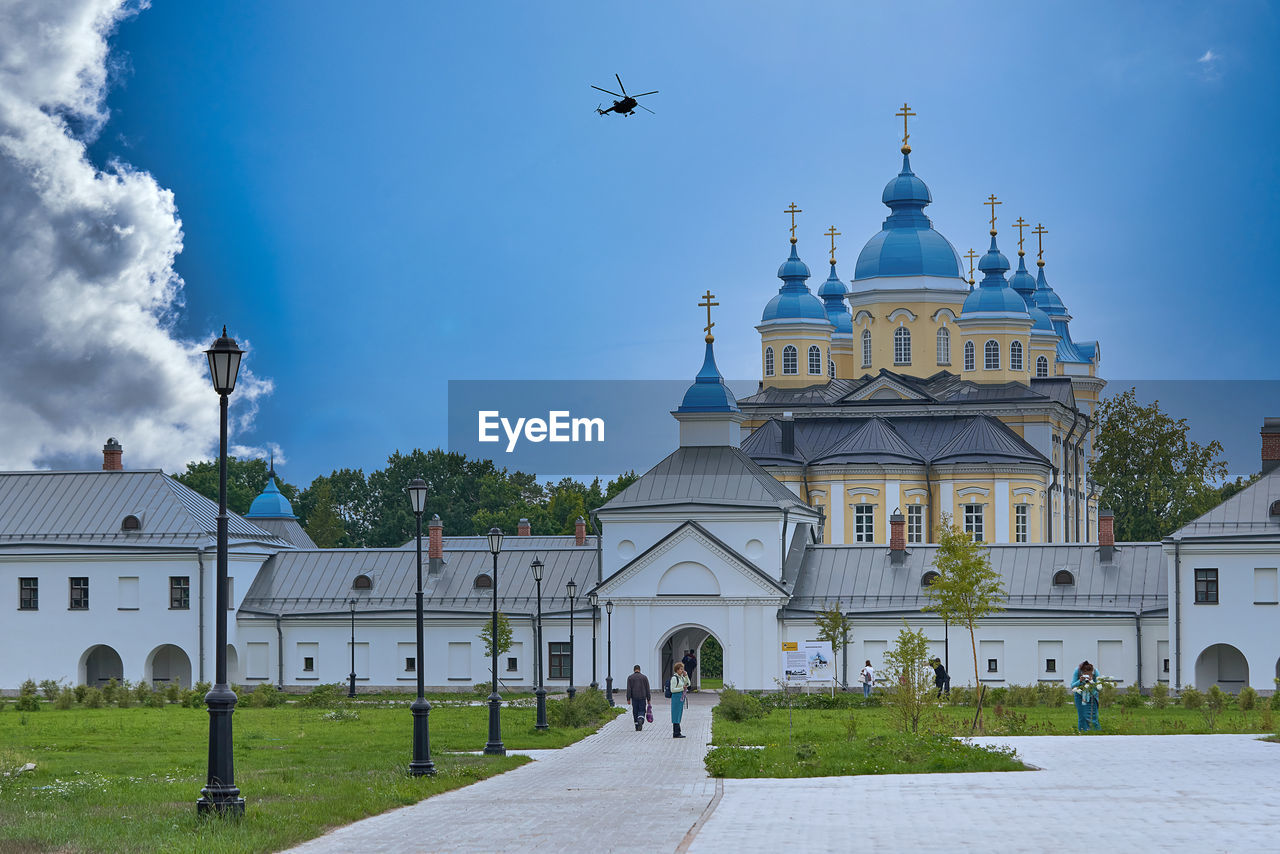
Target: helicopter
{"points": [[628, 104]]}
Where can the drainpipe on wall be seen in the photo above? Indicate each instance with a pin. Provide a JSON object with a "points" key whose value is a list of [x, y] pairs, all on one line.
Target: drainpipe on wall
{"points": [[279, 654], [1137, 623], [782, 564], [1177, 613], [1083, 538], [1070, 474], [1048, 512], [928, 497], [200, 559]]}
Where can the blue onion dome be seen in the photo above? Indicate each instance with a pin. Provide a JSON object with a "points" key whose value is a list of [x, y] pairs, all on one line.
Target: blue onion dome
{"points": [[993, 294], [833, 294], [794, 302], [1021, 281], [271, 504], [1040, 320], [907, 244], [1046, 299], [708, 392]]}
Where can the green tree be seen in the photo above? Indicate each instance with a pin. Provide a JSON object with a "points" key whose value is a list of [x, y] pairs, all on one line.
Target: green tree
{"points": [[967, 588], [504, 635], [833, 627], [245, 481], [349, 492], [324, 525], [909, 678], [1149, 472]]}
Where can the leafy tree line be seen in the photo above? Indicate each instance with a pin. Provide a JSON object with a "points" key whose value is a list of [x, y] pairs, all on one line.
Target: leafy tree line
{"points": [[350, 509]]}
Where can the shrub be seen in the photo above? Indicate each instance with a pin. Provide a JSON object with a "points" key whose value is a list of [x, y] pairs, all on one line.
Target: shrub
{"points": [[28, 703], [264, 696], [110, 690], [81, 691], [1160, 695], [910, 679], [1266, 720], [1248, 699], [1191, 698], [28, 689], [50, 688], [997, 696], [124, 694], [194, 699], [173, 691], [94, 698], [961, 695], [66, 699], [1275, 700], [328, 695], [587, 708], [1054, 694], [1108, 693], [1215, 703], [1132, 698], [142, 692], [737, 706], [1022, 695]]}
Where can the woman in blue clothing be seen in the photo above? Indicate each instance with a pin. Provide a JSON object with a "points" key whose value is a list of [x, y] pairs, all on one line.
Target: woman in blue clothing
{"points": [[679, 683], [1084, 688]]}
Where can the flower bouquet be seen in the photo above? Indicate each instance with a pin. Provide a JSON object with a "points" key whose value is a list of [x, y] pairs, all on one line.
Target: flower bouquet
{"points": [[1087, 690]]}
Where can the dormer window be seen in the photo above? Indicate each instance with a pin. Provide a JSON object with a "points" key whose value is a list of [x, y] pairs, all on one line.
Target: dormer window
{"points": [[928, 578], [1275, 509], [1063, 578], [483, 581], [362, 582], [131, 523]]}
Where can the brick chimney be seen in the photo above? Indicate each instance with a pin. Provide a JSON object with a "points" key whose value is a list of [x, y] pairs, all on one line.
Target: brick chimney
{"points": [[435, 545], [1270, 444], [897, 536], [580, 532], [523, 529], [1106, 534], [111, 453]]}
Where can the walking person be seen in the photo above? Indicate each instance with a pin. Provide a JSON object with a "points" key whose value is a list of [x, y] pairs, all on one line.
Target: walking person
{"points": [[868, 676], [638, 696], [941, 678], [679, 682], [1084, 688], [690, 661]]}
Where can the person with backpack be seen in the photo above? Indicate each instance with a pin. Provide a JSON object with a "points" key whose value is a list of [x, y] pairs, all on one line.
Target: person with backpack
{"points": [[679, 682], [868, 676]]}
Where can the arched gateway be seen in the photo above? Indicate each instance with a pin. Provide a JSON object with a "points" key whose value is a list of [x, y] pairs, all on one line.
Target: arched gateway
{"points": [[673, 645]]}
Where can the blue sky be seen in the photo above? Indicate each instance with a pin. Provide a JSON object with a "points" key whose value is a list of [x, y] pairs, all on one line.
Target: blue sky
{"points": [[381, 197]]}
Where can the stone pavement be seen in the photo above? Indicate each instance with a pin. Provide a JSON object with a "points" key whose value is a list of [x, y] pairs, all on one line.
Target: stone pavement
{"points": [[1138, 793], [617, 789]]}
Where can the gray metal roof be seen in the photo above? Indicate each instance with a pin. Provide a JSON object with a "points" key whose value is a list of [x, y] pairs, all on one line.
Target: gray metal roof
{"points": [[1244, 516], [509, 541], [706, 476], [943, 388], [862, 578], [286, 529], [88, 507], [296, 583]]}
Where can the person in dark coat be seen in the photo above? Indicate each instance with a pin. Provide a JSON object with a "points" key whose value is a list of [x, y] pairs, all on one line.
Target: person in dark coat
{"points": [[638, 696], [941, 678], [690, 661]]}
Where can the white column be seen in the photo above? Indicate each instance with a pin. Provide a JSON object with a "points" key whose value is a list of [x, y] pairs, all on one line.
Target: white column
{"points": [[892, 501], [836, 507], [946, 497], [1001, 502]]}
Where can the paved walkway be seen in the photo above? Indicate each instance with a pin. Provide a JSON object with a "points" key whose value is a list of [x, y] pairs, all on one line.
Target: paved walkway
{"points": [[1139, 793], [616, 789]]}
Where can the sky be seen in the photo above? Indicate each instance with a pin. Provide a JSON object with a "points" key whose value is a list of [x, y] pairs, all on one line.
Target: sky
{"points": [[378, 198]]}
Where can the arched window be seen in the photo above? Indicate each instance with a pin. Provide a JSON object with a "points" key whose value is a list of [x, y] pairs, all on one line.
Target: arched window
{"points": [[866, 348], [831, 366], [790, 360], [768, 361], [1042, 366], [131, 523], [815, 360], [944, 346], [1063, 578], [968, 355], [483, 581], [1015, 356], [928, 578], [362, 582], [902, 346], [1275, 508], [991, 355]]}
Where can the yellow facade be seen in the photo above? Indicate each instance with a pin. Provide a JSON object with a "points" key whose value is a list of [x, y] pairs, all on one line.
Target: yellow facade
{"points": [[775, 359]]}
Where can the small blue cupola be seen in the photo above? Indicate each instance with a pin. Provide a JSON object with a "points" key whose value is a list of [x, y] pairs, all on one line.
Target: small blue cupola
{"points": [[993, 296], [1021, 281], [907, 244], [271, 504], [709, 415], [709, 392], [833, 293], [794, 302], [1045, 298]]}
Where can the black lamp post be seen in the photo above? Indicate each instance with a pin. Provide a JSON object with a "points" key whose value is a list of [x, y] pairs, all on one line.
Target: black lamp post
{"points": [[351, 687], [540, 692], [593, 599], [495, 747], [220, 795], [572, 588], [421, 766], [608, 661]]}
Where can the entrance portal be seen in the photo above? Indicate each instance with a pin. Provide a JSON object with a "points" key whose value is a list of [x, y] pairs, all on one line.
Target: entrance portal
{"points": [[1222, 665], [674, 647]]}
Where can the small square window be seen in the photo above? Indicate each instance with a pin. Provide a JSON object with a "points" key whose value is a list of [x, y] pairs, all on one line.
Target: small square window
{"points": [[308, 664], [1206, 586], [179, 592], [1051, 665], [79, 594], [558, 660], [28, 594], [993, 665], [410, 665], [512, 665]]}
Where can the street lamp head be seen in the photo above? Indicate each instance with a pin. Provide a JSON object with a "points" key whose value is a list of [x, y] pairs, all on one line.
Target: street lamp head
{"points": [[608, 606], [495, 540], [536, 566], [224, 363], [417, 490], [593, 599], [572, 587]]}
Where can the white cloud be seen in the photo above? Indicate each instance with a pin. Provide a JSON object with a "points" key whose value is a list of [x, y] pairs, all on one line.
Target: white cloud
{"points": [[1209, 63], [1209, 56], [87, 286]]}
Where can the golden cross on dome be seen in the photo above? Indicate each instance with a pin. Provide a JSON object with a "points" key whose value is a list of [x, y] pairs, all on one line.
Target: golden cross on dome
{"points": [[709, 302], [905, 112], [793, 210], [833, 234], [991, 200], [1040, 231], [1020, 224], [971, 256]]}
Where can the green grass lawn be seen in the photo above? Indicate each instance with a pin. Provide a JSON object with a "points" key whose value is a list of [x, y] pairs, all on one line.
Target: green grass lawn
{"points": [[711, 684], [127, 779]]}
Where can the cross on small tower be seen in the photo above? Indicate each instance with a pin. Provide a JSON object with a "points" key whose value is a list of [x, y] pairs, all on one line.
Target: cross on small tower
{"points": [[1020, 224], [971, 256], [1040, 231], [833, 234], [793, 210], [905, 112], [991, 200], [707, 304]]}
